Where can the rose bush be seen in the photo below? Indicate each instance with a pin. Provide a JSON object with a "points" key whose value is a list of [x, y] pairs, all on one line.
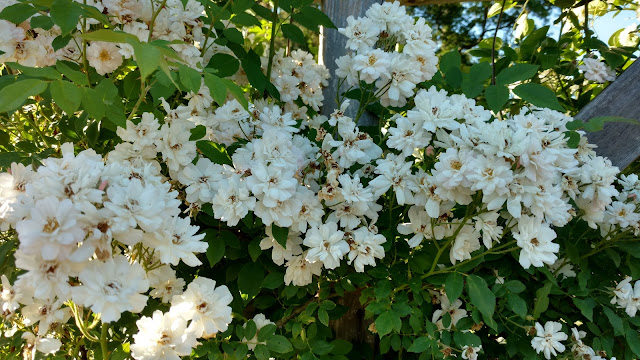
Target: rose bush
{"points": [[173, 191]]}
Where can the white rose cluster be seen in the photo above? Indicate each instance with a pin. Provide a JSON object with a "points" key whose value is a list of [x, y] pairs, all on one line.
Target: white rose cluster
{"points": [[113, 225], [175, 21], [374, 41]]}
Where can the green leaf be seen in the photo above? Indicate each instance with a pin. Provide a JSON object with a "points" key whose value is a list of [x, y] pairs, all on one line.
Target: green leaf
{"points": [[42, 22], [147, 56], [323, 316], [466, 338], [516, 72], [319, 346], [273, 280], [293, 33], [225, 64], [198, 132], [214, 152], [190, 78], [48, 72], [387, 322], [279, 344], [280, 234], [217, 88], [517, 305], [481, 296], [250, 279], [250, 330], [18, 13], [515, 286], [236, 92], [341, 347], [266, 332], [241, 5], [542, 300], [573, 139], [317, 17], [497, 96], [65, 14], [109, 36], [233, 35], [74, 75], [14, 95], [615, 320], [419, 345], [633, 340], [254, 74], [538, 95], [245, 20], [262, 352], [586, 307], [450, 61], [66, 95], [216, 249], [453, 286]]}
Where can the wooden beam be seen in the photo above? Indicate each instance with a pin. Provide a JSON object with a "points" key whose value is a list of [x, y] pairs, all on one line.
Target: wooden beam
{"points": [[333, 45], [620, 142]]}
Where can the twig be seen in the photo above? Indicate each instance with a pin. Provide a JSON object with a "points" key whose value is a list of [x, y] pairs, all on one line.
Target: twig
{"points": [[272, 41], [493, 48]]}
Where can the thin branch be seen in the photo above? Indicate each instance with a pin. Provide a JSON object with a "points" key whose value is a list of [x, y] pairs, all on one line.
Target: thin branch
{"points": [[493, 48]]}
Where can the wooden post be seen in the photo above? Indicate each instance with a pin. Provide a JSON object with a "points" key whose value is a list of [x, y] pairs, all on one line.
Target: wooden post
{"points": [[620, 142], [332, 46]]}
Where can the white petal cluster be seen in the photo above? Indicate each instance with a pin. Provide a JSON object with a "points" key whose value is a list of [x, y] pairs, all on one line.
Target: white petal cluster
{"points": [[98, 225], [373, 40], [522, 164], [596, 70], [201, 311], [627, 296], [548, 339]]}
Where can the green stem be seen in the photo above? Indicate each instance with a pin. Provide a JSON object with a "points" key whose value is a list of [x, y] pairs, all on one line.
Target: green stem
{"points": [[213, 21], [272, 41], [493, 48], [104, 341], [153, 18], [32, 121]]}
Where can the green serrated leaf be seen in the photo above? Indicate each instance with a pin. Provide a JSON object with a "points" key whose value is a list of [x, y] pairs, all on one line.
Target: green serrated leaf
{"points": [[614, 320], [66, 95], [387, 322], [453, 286], [517, 305], [515, 73], [279, 344], [190, 78], [250, 279], [323, 316], [17, 13], [65, 14], [419, 345], [542, 300], [497, 96], [216, 249], [538, 95], [280, 234], [481, 296], [217, 153], [14, 95], [262, 352], [293, 33]]}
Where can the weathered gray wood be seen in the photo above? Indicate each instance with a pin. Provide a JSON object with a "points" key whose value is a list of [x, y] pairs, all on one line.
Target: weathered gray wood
{"points": [[620, 142], [333, 46]]}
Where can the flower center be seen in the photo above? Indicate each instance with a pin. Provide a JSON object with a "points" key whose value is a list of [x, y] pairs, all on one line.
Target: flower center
{"points": [[51, 225]]}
